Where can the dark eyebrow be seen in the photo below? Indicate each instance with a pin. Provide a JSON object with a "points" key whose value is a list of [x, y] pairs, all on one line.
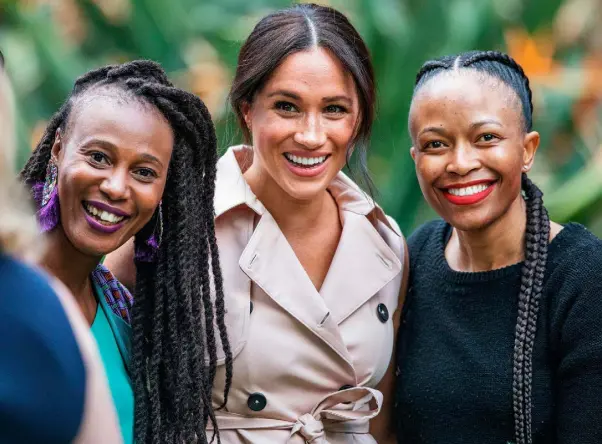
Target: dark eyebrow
{"points": [[433, 129], [151, 158], [282, 92], [337, 99], [292, 95], [483, 122], [110, 147]]}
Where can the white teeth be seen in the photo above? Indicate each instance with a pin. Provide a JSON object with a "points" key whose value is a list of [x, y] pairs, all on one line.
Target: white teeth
{"points": [[305, 161], [468, 191], [105, 216]]}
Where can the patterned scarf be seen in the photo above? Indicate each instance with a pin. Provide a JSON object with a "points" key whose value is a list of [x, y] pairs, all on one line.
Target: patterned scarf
{"points": [[117, 296]]}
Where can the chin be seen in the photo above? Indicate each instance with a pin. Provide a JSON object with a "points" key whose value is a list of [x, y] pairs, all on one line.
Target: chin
{"points": [[94, 246], [304, 190], [303, 195], [471, 221], [96, 249]]}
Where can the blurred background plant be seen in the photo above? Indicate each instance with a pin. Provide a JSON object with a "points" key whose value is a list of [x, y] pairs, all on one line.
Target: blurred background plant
{"points": [[48, 43]]}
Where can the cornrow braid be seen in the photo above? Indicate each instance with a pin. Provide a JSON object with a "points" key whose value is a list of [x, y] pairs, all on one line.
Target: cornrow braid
{"points": [[502, 67], [179, 297], [431, 66], [511, 73]]}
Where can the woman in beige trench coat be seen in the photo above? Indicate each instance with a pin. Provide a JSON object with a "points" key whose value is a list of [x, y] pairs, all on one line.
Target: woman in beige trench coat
{"points": [[313, 269]]}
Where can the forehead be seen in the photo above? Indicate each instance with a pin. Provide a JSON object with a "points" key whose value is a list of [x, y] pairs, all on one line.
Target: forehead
{"points": [[465, 93], [317, 71], [113, 115]]}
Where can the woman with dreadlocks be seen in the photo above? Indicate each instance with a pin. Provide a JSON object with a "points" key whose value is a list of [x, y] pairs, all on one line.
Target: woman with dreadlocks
{"points": [[502, 331], [53, 388], [128, 154], [313, 268]]}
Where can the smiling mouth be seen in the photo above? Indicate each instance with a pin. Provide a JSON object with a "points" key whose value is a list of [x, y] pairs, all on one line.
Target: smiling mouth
{"points": [[306, 162], [470, 194], [103, 217], [469, 191]]}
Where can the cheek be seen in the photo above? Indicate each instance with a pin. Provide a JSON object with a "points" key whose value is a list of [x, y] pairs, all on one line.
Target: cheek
{"points": [[508, 164], [268, 135], [428, 168], [79, 177], [147, 198]]}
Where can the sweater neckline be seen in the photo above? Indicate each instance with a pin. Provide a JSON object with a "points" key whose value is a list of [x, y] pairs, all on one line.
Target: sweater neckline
{"points": [[450, 274]]}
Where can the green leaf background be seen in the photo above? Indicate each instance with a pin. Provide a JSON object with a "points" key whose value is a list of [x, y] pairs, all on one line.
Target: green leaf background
{"points": [[49, 43]]}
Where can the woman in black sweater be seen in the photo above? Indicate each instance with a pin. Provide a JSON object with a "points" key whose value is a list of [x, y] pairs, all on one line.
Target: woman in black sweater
{"points": [[501, 339]]}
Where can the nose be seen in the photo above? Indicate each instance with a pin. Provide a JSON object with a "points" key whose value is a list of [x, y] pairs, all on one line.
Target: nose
{"points": [[464, 159], [312, 135], [115, 185]]}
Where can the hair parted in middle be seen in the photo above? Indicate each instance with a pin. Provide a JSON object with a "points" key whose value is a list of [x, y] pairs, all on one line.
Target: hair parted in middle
{"points": [[504, 68], [300, 28]]}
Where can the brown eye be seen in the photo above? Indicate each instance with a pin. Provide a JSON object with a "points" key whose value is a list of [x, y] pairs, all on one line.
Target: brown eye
{"points": [[146, 174], [287, 107], [335, 109], [98, 158], [488, 137], [434, 144]]}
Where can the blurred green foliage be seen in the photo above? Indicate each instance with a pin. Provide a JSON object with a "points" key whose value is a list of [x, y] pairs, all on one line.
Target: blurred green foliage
{"points": [[48, 43]]}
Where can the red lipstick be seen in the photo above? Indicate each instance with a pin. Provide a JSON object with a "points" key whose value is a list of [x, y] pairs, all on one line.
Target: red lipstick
{"points": [[471, 199]]}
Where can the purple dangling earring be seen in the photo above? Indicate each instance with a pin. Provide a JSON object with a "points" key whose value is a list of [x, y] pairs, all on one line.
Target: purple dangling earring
{"points": [[47, 197], [148, 249]]}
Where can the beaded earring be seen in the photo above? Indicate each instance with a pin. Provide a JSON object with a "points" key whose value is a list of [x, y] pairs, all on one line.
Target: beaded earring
{"points": [[148, 249], [48, 199]]}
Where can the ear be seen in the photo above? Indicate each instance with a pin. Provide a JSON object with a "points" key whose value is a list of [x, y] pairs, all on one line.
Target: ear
{"points": [[57, 147], [413, 153], [245, 109], [530, 145]]}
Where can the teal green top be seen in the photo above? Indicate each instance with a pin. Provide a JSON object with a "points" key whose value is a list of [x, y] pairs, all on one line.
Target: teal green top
{"points": [[108, 340]]}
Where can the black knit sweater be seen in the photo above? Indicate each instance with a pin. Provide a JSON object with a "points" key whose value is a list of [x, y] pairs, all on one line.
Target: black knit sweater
{"points": [[456, 344]]}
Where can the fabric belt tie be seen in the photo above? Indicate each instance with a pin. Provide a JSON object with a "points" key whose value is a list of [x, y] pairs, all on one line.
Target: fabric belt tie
{"points": [[345, 411]]}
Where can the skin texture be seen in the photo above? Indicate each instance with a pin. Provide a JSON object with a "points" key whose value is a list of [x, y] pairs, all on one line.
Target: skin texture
{"points": [[294, 111], [116, 152], [308, 106], [467, 126]]}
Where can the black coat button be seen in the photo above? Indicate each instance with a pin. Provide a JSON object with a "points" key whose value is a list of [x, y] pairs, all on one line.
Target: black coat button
{"points": [[257, 402], [251, 307], [346, 387], [382, 312]]}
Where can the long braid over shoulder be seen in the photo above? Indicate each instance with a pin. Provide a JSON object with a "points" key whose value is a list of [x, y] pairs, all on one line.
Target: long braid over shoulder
{"points": [[502, 67], [179, 297]]}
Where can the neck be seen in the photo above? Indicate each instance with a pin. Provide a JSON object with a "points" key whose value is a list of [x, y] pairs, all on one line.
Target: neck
{"points": [[496, 246], [289, 213], [71, 266]]}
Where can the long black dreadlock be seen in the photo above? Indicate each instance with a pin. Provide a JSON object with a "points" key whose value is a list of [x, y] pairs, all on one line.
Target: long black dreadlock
{"points": [[503, 67], [172, 378]]}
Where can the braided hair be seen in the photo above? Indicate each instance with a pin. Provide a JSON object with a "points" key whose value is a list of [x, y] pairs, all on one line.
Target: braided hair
{"points": [[502, 67], [174, 342]]}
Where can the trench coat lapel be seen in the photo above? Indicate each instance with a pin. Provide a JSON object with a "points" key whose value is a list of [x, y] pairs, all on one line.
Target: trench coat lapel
{"points": [[362, 265], [271, 263]]}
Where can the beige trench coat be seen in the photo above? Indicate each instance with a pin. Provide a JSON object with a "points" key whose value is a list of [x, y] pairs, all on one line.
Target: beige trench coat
{"points": [[305, 362]]}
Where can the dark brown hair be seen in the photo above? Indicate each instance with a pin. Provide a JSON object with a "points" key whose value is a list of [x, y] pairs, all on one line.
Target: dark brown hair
{"points": [[299, 28]]}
